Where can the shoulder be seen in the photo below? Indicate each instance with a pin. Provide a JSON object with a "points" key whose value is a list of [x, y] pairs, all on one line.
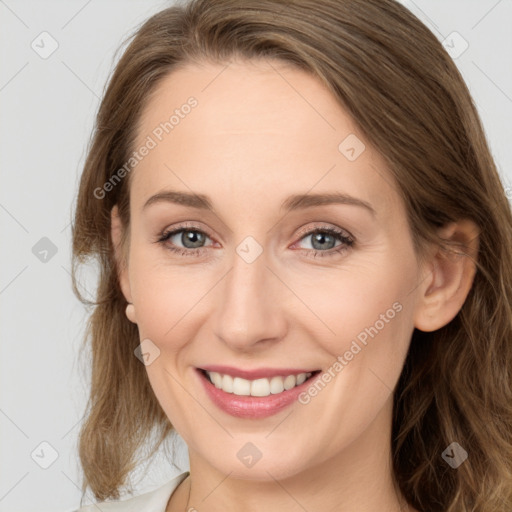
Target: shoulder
{"points": [[153, 501]]}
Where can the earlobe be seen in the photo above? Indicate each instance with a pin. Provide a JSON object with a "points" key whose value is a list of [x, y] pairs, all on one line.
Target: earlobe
{"points": [[122, 271], [450, 274], [130, 313]]}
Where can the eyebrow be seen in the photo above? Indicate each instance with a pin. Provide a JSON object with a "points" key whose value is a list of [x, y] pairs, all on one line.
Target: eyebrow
{"points": [[294, 202]]}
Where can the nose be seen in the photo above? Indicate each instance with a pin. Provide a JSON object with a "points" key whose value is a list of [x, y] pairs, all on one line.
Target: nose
{"points": [[249, 314]]}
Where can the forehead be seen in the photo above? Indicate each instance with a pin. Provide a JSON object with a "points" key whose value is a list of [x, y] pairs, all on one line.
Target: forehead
{"points": [[257, 129]]}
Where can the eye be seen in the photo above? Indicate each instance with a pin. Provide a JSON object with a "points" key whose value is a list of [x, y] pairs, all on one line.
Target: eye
{"points": [[323, 238], [189, 236]]}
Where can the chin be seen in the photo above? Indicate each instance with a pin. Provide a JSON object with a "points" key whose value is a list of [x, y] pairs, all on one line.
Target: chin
{"points": [[266, 469]]}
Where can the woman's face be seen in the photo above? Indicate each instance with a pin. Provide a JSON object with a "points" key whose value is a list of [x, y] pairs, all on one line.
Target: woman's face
{"points": [[261, 288]]}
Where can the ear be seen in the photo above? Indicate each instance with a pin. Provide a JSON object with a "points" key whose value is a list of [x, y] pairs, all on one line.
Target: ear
{"points": [[121, 259], [449, 277]]}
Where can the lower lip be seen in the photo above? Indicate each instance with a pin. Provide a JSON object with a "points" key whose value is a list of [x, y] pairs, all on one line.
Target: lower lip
{"points": [[252, 406]]}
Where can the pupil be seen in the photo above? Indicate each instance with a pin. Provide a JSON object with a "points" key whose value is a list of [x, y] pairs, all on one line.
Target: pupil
{"points": [[320, 237], [190, 236]]}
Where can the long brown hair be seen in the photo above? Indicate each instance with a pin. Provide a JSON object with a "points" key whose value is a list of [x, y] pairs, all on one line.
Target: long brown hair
{"points": [[408, 99]]}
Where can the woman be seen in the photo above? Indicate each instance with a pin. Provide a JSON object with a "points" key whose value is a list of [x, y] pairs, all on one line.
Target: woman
{"points": [[233, 141]]}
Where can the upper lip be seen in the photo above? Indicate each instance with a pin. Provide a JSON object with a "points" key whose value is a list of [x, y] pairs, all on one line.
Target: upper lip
{"points": [[257, 373]]}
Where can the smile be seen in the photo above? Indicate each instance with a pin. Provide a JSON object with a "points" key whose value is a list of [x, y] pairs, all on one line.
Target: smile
{"points": [[266, 393], [258, 387]]}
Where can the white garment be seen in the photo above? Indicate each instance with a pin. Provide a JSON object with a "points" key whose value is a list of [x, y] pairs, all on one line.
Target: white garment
{"points": [[153, 501]]}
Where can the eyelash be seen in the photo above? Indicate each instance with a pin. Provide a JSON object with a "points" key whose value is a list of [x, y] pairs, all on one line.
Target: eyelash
{"points": [[347, 241]]}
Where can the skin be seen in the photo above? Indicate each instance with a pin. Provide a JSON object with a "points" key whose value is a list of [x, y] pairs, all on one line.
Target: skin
{"points": [[261, 132]]}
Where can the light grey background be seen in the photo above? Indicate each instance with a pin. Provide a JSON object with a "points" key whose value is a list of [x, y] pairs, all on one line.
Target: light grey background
{"points": [[48, 107]]}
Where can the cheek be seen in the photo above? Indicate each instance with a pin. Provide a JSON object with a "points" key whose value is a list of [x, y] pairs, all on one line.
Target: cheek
{"points": [[173, 305], [366, 300], [165, 295], [373, 327]]}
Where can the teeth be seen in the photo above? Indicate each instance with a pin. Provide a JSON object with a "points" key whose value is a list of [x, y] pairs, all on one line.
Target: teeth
{"points": [[290, 382], [241, 386], [227, 383], [276, 385], [258, 387], [301, 378], [216, 379]]}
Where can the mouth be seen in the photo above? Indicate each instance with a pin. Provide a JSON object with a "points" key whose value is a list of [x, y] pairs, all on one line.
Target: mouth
{"points": [[257, 387], [269, 393]]}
